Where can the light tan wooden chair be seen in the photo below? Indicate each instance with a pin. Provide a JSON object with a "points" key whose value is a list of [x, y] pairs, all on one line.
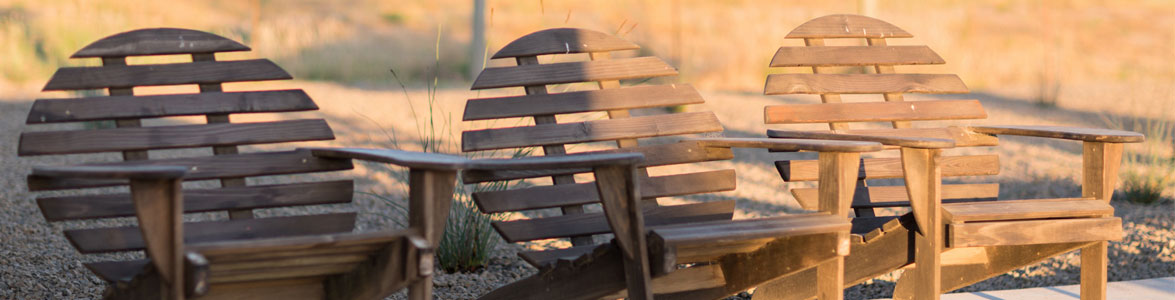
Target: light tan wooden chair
{"points": [[957, 234], [691, 251]]}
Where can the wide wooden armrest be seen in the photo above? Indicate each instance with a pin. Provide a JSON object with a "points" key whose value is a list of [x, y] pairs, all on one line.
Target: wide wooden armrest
{"points": [[558, 162], [1061, 132], [789, 144], [900, 141], [116, 172], [410, 159]]}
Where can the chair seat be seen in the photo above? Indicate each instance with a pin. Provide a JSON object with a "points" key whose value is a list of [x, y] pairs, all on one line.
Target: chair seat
{"points": [[1027, 222], [1025, 210], [705, 241]]}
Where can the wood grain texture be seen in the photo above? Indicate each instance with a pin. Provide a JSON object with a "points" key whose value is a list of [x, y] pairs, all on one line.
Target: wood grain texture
{"points": [[590, 131], [895, 196], [581, 101], [899, 141], [1026, 210], [847, 26], [549, 196], [119, 172], [706, 233], [252, 197], [80, 78], [875, 168], [593, 223], [168, 137], [828, 56], [789, 144], [1099, 169], [778, 259], [159, 41], [784, 84], [923, 176], [874, 111], [1062, 132], [158, 207], [210, 167], [411, 159], [121, 107], [563, 41], [1034, 232], [655, 155], [568, 72], [1094, 269], [620, 197], [113, 239], [962, 137]]}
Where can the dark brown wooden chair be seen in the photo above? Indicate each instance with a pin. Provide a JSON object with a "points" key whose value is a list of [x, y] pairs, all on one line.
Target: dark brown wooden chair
{"points": [[293, 257], [692, 251], [956, 234]]}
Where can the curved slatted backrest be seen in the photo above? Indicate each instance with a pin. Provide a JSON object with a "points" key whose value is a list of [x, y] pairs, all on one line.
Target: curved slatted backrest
{"points": [[543, 105], [134, 140]]}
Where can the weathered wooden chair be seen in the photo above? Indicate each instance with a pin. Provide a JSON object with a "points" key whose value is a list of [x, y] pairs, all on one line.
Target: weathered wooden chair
{"points": [[968, 238], [723, 256], [294, 257]]}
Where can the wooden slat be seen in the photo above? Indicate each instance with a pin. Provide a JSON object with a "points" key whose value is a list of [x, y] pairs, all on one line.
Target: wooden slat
{"points": [[750, 229], [962, 137], [781, 84], [847, 26], [252, 197], [594, 223], [115, 271], [298, 261], [167, 137], [211, 167], [875, 168], [655, 155], [159, 41], [128, 238], [896, 196], [80, 78], [874, 111], [121, 107], [564, 41], [1026, 210], [590, 131], [1099, 135], [279, 273], [1033, 232], [548, 196], [568, 72], [540, 259], [828, 56], [582, 101]]}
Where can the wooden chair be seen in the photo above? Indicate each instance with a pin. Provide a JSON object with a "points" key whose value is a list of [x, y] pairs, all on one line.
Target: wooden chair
{"points": [[692, 251], [292, 257], [960, 235]]}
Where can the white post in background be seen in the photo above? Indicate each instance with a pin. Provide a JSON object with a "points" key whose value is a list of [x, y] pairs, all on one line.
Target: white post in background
{"points": [[477, 46], [867, 8]]}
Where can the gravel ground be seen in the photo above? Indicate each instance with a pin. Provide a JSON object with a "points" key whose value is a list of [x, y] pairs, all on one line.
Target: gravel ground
{"points": [[36, 262]]}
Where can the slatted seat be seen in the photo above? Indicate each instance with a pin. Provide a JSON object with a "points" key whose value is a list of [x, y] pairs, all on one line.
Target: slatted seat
{"points": [[731, 252], [234, 255], [954, 218]]}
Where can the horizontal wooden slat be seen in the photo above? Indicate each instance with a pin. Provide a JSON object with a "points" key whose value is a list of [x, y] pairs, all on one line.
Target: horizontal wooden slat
{"points": [[281, 273], [594, 223], [251, 197], [1033, 232], [781, 84], [121, 107], [875, 168], [568, 72], [167, 137], [896, 196], [847, 26], [824, 56], [298, 261], [115, 271], [548, 196], [590, 131], [1026, 209], [80, 78], [539, 259], [564, 41], [962, 137], [1099, 135], [582, 101], [874, 111], [211, 167], [751, 229], [655, 155], [159, 41], [128, 238]]}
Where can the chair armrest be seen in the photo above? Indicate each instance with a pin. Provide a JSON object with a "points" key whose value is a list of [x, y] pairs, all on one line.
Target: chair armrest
{"points": [[789, 144], [911, 142], [558, 162], [117, 172], [1061, 132], [421, 160]]}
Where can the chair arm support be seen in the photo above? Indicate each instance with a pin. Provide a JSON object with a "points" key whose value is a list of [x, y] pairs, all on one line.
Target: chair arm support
{"points": [[911, 142], [414, 160], [117, 172], [1061, 132], [789, 144]]}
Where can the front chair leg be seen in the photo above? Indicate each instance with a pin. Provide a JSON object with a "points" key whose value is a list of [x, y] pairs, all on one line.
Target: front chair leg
{"points": [[923, 183], [621, 199], [159, 210], [1100, 162], [430, 195]]}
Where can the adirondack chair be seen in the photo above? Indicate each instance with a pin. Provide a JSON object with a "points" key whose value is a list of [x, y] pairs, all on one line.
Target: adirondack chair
{"points": [[295, 257], [960, 234], [651, 250]]}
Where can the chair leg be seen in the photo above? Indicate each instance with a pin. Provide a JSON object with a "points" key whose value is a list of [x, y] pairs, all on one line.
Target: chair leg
{"points": [[1093, 271], [830, 278], [421, 289], [923, 184]]}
